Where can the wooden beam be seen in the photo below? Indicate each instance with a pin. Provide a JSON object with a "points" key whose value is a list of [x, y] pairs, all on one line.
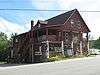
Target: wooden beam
{"points": [[37, 34], [46, 34], [81, 52], [72, 43], [47, 49], [32, 53], [47, 42], [62, 45], [59, 36], [12, 53], [87, 36], [81, 39]]}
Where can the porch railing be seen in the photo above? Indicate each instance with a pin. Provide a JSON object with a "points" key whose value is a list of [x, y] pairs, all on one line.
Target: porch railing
{"points": [[49, 38]]}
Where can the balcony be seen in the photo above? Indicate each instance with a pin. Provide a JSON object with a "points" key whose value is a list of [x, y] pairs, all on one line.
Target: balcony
{"points": [[49, 38]]}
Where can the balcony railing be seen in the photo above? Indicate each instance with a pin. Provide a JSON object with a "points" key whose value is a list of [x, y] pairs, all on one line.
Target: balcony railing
{"points": [[49, 38]]}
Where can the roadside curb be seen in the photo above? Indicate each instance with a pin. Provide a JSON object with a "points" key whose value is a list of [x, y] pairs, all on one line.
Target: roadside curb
{"points": [[46, 63]]}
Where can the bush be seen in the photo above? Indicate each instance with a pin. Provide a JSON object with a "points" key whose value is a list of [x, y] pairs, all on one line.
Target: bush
{"points": [[56, 58]]}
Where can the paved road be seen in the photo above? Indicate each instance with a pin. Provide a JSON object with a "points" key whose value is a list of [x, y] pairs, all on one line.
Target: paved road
{"points": [[85, 66]]}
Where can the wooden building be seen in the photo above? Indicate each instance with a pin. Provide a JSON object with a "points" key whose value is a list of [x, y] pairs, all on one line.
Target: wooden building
{"points": [[62, 34]]}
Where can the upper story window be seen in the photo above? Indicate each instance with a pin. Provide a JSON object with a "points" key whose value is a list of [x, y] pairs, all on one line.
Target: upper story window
{"points": [[72, 21]]}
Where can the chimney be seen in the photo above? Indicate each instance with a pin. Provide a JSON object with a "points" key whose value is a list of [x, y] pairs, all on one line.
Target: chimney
{"points": [[32, 23]]}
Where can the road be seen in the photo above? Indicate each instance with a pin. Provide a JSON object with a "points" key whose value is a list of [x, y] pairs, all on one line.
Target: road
{"points": [[79, 66]]}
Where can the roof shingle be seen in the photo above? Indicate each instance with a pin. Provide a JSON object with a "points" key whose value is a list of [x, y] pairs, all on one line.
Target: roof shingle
{"points": [[60, 19]]}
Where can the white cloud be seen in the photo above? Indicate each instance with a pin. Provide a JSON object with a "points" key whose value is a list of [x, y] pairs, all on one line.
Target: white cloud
{"points": [[94, 26], [43, 4], [65, 4], [27, 26], [91, 18], [9, 27], [79, 4]]}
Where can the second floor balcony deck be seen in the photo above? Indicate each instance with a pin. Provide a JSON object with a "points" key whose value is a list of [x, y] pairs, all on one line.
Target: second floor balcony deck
{"points": [[49, 38]]}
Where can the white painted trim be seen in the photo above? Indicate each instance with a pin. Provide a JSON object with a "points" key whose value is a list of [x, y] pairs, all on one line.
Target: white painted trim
{"points": [[81, 48], [47, 42], [39, 48], [32, 54], [72, 45], [44, 42], [62, 47]]}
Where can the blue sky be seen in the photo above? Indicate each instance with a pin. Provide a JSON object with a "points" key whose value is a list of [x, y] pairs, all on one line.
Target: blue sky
{"points": [[19, 21]]}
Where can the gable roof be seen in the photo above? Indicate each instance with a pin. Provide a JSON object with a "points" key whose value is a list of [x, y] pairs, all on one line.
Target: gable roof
{"points": [[57, 21], [60, 19]]}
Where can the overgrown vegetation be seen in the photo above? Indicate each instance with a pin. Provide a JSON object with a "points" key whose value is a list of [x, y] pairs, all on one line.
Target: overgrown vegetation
{"points": [[56, 58], [4, 42], [60, 57], [95, 43], [4, 45]]}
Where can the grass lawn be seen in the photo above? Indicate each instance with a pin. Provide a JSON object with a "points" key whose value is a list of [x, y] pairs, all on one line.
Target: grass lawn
{"points": [[57, 58], [3, 62]]}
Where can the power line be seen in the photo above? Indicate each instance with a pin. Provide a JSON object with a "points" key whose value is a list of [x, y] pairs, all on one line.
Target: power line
{"points": [[47, 10], [39, 1], [32, 9]]}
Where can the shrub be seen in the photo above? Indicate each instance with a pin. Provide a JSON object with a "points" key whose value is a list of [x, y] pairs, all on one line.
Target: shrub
{"points": [[56, 58]]}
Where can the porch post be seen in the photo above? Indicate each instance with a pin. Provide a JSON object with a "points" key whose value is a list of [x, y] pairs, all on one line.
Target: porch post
{"points": [[39, 48], [81, 38], [32, 54], [88, 43], [81, 48], [72, 46], [47, 42], [47, 49], [62, 45], [12, 53]]}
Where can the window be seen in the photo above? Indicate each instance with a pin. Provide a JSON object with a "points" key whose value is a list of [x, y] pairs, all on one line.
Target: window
{"points": [[72, 21]]}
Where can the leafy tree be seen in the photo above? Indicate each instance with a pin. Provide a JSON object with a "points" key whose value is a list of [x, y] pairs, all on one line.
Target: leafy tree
{"points": [[91, 43], [96, 44], [12, 36], [3, 46]]}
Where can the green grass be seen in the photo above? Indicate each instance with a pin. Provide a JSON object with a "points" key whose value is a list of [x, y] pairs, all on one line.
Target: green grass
{"points": [[58, 58], [3, 62]]}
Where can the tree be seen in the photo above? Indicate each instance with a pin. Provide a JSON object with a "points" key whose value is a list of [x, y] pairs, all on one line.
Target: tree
{"points": [[3, 46], [96, 44], [12, 36]]}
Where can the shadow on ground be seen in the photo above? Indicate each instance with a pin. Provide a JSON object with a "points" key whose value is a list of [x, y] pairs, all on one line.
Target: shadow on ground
{"points": [[9, 65]]}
